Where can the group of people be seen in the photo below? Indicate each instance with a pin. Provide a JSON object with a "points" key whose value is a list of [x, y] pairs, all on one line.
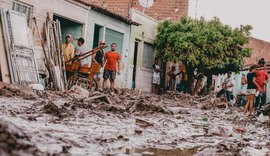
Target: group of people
{"points": [[172, 74], [256, 80], [109, 61]]}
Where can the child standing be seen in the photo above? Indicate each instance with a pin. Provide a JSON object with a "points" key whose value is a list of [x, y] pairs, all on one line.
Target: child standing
{"points": [[252, 85]]}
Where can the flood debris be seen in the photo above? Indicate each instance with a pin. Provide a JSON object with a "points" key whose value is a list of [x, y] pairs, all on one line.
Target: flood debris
{"points": [[143, 123], [100, 98], [78, 92], [13, 141], [128, 122], [15, 90]]}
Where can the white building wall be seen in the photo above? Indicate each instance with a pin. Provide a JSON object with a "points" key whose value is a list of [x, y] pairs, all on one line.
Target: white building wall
{"points": [[41, 8], [109, 22], [146, 32]]}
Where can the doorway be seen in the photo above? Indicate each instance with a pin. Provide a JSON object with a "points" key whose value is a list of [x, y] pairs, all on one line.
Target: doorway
{"points": [[98, 34], [69, 27], [135, 64]]}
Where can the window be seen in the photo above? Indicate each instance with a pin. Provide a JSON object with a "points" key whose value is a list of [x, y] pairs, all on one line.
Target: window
{"points": [[148, 55], [24, 9], [112, 36]]}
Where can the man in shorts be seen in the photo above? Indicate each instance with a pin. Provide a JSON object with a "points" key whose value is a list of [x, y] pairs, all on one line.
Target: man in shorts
{"points": [[111, 59], [262, 80], [99, 58]]}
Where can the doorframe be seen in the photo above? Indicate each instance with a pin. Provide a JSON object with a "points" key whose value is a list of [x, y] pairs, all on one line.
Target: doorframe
{"points": [[135, 63]]}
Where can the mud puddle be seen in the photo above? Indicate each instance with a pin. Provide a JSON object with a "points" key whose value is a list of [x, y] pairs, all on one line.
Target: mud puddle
{"points": [[159, 151]]}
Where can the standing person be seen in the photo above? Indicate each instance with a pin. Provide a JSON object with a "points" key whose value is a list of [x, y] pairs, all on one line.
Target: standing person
{"points": [[99, 58], [227, 88], [111, 58], [80, 50], [252, 85], [68, 49], [262, 79], [184, 80], [156, 77], [172, 76]]}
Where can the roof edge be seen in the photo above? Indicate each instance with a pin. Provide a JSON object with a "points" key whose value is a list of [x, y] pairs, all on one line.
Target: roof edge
{"points": [[109, 13]]}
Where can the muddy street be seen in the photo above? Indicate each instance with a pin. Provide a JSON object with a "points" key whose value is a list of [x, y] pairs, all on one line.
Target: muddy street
{"points": [[125, 123]]}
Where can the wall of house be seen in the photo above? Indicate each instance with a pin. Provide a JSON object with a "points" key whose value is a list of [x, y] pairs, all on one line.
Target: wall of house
{"points": [[41, 8], [161, 9], [117, 26], [3, 60], [146, 32], [218, 80]]}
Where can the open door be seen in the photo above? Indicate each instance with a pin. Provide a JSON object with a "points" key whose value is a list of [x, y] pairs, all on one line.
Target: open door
{"points": [[21, 58], [135, 64]]}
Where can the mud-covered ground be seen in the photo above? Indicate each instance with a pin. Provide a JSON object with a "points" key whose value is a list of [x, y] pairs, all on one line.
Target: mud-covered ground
{"points": [[125, 123]]}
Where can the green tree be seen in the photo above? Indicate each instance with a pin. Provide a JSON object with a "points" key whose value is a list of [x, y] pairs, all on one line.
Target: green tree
{"points": [[207, 47]]}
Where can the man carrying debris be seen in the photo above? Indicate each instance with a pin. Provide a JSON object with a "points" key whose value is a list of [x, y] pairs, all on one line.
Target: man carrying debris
{"points": [[68, 49], [80, 50], [227, 88], [98, 58], [111, 58]]}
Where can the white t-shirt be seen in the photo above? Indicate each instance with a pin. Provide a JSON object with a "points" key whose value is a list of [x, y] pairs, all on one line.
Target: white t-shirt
{"points": [[156, 75], [82, 50], [228, 82]]}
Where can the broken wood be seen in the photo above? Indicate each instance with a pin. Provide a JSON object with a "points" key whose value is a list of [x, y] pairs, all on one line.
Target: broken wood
{"points": [[87, 54], [143, 123], [100, 97]]}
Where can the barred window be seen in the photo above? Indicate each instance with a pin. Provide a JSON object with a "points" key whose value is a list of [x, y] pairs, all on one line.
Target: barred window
{"points": [[148, 55], [24, 9]]}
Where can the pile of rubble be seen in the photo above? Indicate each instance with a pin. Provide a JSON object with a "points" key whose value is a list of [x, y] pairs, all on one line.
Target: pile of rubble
{"points": [[81, 123], [25, 92], [14, 142]]}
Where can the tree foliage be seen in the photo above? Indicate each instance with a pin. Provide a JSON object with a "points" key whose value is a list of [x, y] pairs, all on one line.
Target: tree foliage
{"points": [[208, 46]]}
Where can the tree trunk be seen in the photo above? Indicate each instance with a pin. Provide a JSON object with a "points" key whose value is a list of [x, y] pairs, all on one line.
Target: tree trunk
{"points": [[163, 77], [209, 82], [191, 78], [198, 85]]}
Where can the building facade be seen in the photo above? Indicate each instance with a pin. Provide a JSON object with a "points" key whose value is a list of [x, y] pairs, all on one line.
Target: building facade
{"points": [[142, 53], [73, 17]]}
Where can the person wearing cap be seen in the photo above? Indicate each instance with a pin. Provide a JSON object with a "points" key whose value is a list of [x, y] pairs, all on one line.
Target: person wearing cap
{"points": [[68, 49], [99, 58], [80, 50]]}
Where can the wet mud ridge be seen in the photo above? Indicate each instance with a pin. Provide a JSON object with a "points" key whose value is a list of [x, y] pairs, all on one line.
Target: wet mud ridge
{"points": [[125, 122]]}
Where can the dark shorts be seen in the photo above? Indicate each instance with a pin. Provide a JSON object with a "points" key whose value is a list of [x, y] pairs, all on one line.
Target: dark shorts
{"points": [[109, 74]]}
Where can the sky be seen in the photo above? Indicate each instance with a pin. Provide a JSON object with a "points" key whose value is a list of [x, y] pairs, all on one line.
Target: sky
{"points": [[236, 12]]}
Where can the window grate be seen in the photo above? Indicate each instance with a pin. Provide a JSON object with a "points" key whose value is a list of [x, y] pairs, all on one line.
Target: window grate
{"points": [[24, 9], [148, 55]]}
